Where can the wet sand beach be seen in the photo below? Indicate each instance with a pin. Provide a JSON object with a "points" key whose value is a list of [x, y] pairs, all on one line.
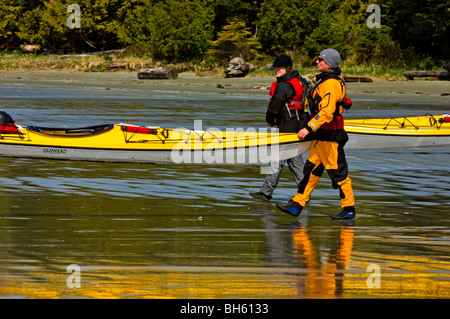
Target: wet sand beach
{"points": [[193, 231], [421, 91]]}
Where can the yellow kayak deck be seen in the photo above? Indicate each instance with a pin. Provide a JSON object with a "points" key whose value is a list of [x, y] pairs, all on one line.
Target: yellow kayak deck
{"points": [[131, 143], [400, 132], [431, 125], [123, 136]]}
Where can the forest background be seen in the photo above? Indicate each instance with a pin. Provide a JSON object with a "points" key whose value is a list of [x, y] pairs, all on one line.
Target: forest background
{"points": [[206, 34]]}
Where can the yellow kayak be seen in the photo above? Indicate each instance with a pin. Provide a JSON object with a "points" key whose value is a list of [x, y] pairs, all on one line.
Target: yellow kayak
{"points": [[419, 131], [143, 144], [131, 143]]}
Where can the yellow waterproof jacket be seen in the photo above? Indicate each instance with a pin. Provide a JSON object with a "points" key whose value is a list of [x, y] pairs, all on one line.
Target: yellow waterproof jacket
{"points": [[323, 101]]}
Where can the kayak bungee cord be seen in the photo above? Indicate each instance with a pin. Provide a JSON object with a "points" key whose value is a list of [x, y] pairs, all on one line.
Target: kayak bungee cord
{"points": [[203, 133], [143, 130], [10, 130], [434, 122], [401, 124]]}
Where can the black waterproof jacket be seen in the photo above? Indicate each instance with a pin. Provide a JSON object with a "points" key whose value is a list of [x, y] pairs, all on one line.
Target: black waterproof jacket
{"points": [[276, 111]]}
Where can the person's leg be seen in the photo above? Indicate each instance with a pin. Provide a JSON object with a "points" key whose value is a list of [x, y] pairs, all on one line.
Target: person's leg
{"points": [[312, 172], [336, 165], [296, 166], [270, 183]]}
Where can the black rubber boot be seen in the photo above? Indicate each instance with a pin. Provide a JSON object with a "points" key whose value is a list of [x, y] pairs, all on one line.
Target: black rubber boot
{"points": [[291, 208], [347, 213], [260, 195]]}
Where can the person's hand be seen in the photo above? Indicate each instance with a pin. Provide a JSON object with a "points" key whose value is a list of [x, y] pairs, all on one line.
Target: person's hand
{"points": [[268, 124], [302, 133]]}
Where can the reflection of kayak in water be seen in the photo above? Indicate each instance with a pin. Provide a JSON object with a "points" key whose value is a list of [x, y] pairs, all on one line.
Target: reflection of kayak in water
{"points": [[130, 143], [416, 131]]}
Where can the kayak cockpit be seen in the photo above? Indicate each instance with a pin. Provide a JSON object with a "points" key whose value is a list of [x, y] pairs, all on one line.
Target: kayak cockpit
{"points": [[72, 132]]}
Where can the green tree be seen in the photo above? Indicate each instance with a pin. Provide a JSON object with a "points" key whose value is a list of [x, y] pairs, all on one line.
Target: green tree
{"points": [[45, 23], [133, 27], [343, 25], [14, 16], [234, 40], [325, 35], [180, 30], [361, 43], [225, 10], [284, 25], [420, 27], [98, 31]]}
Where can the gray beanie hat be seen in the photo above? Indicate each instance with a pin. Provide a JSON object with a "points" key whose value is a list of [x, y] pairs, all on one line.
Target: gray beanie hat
{"points": [[331, 57]]}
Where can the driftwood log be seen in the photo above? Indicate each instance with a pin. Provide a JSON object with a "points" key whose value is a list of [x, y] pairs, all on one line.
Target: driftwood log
{"points": [[157, 73], [357, 79], [410, 75], [116, 66]]}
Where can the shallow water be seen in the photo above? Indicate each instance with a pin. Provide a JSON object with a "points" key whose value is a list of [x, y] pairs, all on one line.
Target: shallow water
{"points": [[190, 231]]}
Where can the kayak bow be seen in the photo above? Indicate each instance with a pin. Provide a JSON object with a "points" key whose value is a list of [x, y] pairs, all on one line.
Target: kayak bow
{"points": [[420, 131]]}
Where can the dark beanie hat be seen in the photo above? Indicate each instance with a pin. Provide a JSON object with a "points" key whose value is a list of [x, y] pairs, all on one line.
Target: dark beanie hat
{"points": [[282, 61]]}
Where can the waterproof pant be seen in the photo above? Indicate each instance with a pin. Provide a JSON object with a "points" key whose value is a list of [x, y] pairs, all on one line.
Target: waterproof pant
{"points": [[295, 165], [330, 156]]}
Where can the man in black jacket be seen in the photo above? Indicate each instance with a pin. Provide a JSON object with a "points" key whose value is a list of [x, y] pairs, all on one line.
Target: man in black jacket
{"points": [[285, 111]]}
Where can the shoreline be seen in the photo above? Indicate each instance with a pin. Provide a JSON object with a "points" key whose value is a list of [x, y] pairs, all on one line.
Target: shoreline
{"points": [[419, 90]]}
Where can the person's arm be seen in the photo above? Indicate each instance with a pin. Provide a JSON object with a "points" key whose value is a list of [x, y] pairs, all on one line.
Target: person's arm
{"points": [[282, 93]]}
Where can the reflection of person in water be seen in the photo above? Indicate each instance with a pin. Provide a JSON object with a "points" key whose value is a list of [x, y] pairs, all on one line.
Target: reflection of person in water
{"points": [[322, 279]]}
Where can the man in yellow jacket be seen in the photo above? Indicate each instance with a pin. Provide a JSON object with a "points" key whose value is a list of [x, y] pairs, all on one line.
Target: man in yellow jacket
{"points": [[326, 131]]}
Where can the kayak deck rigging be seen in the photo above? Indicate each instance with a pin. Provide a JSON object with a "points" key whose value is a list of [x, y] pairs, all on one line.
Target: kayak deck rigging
{"points": [[11, 131], [163, 134], [406, 124], [402, 124], [432, 120]]}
